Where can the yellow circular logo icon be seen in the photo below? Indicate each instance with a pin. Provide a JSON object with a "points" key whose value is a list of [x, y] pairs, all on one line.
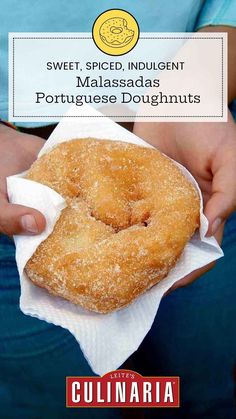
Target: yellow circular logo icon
{"points": [[115, 32]]}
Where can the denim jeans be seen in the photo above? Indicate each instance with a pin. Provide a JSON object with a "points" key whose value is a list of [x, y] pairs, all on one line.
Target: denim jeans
{"points": [[35, 357], [193, 336]]}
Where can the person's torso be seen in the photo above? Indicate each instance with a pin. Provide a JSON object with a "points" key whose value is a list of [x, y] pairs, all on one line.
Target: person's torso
{"points": [[78, 16]]}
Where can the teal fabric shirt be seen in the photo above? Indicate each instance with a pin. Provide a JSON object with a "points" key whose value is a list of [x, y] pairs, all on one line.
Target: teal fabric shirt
{"points": [[78, 16]]}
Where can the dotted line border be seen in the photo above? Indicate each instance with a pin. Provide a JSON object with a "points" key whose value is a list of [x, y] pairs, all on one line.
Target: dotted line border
{"points": [[124, 116]]}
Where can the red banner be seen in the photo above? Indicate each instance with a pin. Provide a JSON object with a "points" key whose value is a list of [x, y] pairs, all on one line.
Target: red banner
{"points": [[122, 388]]}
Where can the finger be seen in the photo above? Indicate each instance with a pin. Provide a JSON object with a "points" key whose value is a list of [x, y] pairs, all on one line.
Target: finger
{"points": [[223, 198], [188, 279], [18, 219]]}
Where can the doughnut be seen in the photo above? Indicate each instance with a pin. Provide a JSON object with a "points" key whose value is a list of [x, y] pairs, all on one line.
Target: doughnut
{"points": [[130, 212], [115, 33]]}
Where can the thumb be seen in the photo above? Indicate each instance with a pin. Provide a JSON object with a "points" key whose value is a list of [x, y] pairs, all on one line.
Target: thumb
{"points": [[17, 219], [223, 195]]}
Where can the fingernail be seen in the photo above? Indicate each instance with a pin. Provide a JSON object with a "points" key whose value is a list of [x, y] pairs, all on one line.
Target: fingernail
{"points": [[29, 224], [215, 225]]}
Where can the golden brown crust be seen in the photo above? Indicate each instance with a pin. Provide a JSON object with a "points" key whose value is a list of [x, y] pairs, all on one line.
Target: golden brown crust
{"points": [[130, 214]]}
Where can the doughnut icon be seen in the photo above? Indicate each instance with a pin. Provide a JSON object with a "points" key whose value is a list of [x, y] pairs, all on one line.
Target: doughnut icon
{"points": [[115, 32]]}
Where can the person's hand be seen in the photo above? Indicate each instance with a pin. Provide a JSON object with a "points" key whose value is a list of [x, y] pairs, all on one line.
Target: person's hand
{"points": [[17, 153], [208, 151]]}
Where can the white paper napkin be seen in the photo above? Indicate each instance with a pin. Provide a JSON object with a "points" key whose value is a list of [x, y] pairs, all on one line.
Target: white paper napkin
{"points": [[106, 340]]}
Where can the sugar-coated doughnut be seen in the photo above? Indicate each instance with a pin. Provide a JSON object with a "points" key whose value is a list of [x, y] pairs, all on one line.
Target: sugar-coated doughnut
{"points": [[130, 212]]}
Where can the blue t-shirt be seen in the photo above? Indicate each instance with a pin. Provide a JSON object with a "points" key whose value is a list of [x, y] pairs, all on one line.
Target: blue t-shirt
{"points": [[78, 16]]}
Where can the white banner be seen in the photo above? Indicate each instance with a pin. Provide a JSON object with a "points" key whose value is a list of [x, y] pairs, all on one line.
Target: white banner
{"points": [[165, 77]]}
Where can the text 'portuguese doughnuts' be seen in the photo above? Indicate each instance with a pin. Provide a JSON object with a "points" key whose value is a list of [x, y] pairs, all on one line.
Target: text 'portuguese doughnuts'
{"points": [[130, 212]]}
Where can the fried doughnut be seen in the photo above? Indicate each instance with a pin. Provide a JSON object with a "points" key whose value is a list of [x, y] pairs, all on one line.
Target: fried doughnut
{"points": [[115, 33], [130, 212]]}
